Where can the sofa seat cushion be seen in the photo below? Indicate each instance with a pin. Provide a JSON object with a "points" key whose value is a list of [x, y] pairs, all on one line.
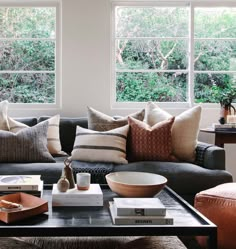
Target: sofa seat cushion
{"points": [[181, 176], [50, 172]]}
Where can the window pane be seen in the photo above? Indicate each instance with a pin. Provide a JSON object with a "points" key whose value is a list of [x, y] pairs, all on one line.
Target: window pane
{"points": [[27, 88], [210, 87], [27, 55], [215, 22], [160, 87], [27, 22], [215, 55], [151, 22], [151, 54]]}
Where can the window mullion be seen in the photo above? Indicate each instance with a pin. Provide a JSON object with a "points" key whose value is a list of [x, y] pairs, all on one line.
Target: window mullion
{"points": [[191, 57]]}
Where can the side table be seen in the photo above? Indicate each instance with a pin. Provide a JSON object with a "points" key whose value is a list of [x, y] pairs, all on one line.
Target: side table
{"points": [[221, 137]]}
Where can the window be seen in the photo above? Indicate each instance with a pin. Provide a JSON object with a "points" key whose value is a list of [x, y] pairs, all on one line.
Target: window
{"points": [[180, 53], [28, 45]]}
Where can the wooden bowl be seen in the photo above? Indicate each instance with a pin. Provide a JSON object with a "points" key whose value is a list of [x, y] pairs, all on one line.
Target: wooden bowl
{"points": [[135, 184]]}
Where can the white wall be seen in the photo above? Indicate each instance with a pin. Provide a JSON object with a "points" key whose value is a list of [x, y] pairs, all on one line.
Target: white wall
{"points": [[86, 67]]}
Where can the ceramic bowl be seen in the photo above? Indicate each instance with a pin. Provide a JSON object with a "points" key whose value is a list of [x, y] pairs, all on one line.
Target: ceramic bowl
{"points": [[135, 184]]}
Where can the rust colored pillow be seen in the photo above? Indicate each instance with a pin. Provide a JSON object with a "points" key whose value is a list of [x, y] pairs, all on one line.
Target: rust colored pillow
{"points": [[146, 143]]}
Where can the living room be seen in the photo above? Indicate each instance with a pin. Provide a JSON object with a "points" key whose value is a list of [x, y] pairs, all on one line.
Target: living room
{"points": [[85, 67]]}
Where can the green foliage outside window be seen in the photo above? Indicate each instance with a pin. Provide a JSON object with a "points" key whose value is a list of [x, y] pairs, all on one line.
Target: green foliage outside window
{"points": [[27, 54]]}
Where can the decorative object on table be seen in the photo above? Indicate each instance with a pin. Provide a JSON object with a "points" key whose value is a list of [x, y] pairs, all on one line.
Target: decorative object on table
{"points": [[139, 220], [135, 184], [139, 206], [225, 96], [30, 206], [83, 181], [68, 173], [63, 184], [74, 197]]}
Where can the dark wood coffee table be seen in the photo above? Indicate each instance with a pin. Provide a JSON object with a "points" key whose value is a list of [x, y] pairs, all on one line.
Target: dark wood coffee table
{"points": [[96, 221]]}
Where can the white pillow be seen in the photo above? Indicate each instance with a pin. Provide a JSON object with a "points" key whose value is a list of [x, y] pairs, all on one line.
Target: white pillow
{"points": [[100, 146], [53, 136], [184, 130], [3, 116]]}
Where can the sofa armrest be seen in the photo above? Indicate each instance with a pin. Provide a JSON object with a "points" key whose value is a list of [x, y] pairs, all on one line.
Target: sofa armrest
{"points": [[210, 156]]}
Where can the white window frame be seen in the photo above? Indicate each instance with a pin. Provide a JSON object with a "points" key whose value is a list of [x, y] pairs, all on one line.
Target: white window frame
{"points": [[57, 71], [191, 4]]}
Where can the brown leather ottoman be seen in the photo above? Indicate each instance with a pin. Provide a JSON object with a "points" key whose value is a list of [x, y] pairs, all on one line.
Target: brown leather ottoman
{"points": [[218, 204]]}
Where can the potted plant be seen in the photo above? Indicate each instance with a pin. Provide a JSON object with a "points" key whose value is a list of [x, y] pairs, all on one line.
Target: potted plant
{"points": [[225, 96]]}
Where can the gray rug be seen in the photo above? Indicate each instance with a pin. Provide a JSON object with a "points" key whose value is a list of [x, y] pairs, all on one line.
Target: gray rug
{"points": [[165, 242]]}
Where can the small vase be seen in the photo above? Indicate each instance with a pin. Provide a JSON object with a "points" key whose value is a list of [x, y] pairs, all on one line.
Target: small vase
{"points": [[63, 184], [225, 110]]}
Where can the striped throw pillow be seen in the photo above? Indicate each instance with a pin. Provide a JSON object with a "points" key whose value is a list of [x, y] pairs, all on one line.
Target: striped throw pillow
{"points": [[53, 136], [106, 146]]}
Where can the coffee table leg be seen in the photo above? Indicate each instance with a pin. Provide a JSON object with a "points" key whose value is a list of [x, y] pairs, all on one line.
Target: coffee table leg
{"points": [[212, 240]]}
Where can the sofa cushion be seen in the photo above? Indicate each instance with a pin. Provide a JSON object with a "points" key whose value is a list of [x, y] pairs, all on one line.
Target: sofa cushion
{"points": [[184, 132], [67, 129], [3, 115], [53, 137], [95, 146], [146, 143], [28, 145], [99, 121]]}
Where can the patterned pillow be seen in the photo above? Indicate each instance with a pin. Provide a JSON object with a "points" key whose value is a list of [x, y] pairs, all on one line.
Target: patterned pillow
{"points": [[3, 116], [28, 145], [146, 143], [184, 132], [106, 146], [53, 136], [99, 121]]}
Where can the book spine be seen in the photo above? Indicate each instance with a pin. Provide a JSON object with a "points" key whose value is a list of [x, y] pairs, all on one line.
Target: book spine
{"points": [[148, 221], [77, 197], [225, 129], [140, 212], [18, 187], [77, 204]]}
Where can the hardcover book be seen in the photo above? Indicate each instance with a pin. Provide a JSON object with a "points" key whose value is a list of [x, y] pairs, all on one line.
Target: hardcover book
{"points": [[139, 206], [19, 182], [139, 220], [74, 197]]}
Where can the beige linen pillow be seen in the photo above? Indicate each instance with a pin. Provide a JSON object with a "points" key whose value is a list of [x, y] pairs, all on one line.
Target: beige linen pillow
{"points": [[3, 116], [99, 121], [53, 136], [105, 146], [184, 130]]}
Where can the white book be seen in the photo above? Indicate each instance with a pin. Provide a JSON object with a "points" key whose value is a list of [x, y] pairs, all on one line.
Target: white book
{"points": [[74, 197], [19, 182], [223, 126], [139, 220], [139, 206]]}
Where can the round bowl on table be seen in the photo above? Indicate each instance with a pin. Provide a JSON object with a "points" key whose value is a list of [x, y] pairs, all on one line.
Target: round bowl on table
{"points": [[135, 184]]}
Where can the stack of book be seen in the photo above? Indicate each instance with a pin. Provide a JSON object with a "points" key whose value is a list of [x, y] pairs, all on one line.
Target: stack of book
{"points": [[224, 127], [30, 184], [74, 197], [139, 211]]}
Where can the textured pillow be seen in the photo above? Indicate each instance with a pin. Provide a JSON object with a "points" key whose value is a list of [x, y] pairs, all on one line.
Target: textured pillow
{"points": [[184, 132], [53, 136], [3, 116], [28, 145], [146, 143], [99, 121], [106, 146]]}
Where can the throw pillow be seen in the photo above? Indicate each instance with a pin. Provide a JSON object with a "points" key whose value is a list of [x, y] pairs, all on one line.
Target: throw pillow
{"points": [[28, 145], [106, 146], [53, 136], [184, 132], [99, 121], [146, 143], [3, 116]]}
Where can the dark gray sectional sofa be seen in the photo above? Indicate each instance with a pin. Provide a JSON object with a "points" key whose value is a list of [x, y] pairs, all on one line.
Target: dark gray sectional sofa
{"points": [[186, 179]]}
